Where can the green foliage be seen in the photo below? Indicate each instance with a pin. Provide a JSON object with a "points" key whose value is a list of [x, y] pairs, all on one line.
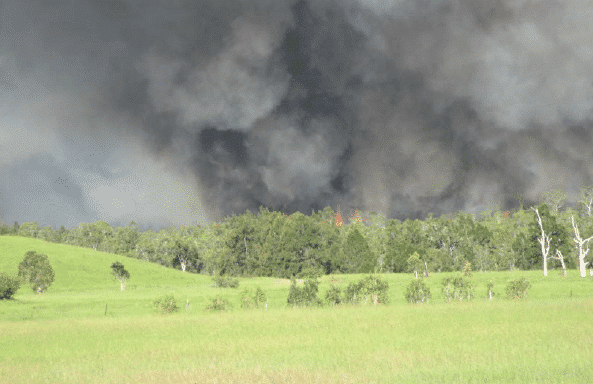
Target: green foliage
{"points": [[369, 289], [458, 289], [311, 273], [357, 255], [8, 286], [517, 289], [218, 303], [29, 229], [36, 271], [165, 304], [306, 296], [225, 281], [530, 248], [119, 272], [417, 292], [415, 264], [333, 296], [253, 300]]}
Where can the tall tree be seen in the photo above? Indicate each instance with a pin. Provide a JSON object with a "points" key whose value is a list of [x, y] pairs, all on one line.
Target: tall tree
{"points": [[546, 235], [582, 248], [36, 271], [357, 255]]}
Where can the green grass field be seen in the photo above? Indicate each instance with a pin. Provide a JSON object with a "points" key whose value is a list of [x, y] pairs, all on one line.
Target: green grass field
{"points": [[64, 335]]}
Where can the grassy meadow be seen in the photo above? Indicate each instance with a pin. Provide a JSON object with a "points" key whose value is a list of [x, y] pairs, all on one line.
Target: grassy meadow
{"points": [[84, 329]]}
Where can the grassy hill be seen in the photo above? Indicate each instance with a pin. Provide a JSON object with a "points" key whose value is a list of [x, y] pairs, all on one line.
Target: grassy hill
{"points": [[64, 336]]}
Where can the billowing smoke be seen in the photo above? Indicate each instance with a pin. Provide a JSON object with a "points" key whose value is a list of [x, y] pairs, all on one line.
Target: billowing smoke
{"points": [[177, 112]]}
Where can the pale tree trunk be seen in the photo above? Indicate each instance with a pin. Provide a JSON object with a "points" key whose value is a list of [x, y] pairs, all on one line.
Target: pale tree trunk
{"points": [[582, 247], [561, 258], [544, 241], [416, 274], [122, 284]]}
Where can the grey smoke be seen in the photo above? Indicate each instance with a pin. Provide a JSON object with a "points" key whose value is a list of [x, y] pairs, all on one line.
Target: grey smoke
{"points": [[180, 112]]}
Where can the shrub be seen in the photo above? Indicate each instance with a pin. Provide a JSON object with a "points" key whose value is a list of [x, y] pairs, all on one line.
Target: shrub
{"points": [[8, 286], [457, 288], [417, 292], [305, 296], [370, 289], [311, 273], [166, 304], [517, 289], [249, 300], [225, 282], [334, 295], [36, 270], [219, 303]]}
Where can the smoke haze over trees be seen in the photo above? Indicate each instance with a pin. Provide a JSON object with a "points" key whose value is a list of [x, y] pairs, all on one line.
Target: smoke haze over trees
{"points": [[188, 111]]}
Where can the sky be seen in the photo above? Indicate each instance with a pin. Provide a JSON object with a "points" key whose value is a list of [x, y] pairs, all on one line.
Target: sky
{"points": [[173, 112]]}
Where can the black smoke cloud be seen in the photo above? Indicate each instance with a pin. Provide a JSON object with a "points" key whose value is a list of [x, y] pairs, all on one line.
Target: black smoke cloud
{"points": [[177, 112]]}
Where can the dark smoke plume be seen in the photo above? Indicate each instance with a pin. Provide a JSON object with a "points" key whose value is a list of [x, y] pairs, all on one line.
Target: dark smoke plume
{"points": [[172, 111]]}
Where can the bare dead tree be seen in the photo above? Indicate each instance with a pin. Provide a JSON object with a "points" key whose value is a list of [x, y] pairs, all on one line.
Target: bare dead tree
{"points": [[561, 258], [582, 248], [544, 241]]}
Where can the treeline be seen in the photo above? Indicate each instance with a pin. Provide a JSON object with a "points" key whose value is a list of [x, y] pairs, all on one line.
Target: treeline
{"points": [[274, 244]]}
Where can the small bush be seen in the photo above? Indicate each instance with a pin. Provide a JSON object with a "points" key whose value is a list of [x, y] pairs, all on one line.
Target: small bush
{"points": [[369, 289], [517, 289], [8, 286], [165, 304], [417, 292], [225, 282], [306, 296], [458, 289], [219, 303], [249, 300], [334, 295], [311, 273]]}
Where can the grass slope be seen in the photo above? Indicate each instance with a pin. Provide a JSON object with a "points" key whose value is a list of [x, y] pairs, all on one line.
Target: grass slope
{"points": [[64, 336]]}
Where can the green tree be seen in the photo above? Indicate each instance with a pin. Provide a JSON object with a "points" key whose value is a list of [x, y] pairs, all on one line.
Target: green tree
{"points": [[8, 286], [554, 199], [357, 255], [415, 264], [559, 239], [36, 271], [403, 239], [242, 241], [211, 245], [29, 229], [48, 234], [123, 241], [90, 235], [182, 250], [119, 272]]}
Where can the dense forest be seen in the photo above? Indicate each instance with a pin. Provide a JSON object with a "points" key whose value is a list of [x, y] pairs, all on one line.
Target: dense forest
{"points": [[274, 244]]}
